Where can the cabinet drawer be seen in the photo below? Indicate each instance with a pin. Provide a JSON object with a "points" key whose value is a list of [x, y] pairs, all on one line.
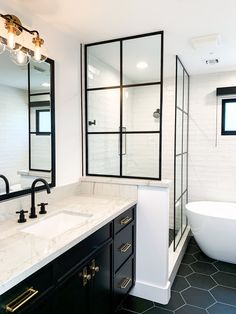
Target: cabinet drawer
{"points": [[123, 245], [123, 282], [124, 219], [30, 290], [75, 256]]}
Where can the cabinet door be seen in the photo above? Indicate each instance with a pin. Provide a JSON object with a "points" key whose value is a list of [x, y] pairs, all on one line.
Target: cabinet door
{"points": [[71, 297], [43, 307], [100, 285]]}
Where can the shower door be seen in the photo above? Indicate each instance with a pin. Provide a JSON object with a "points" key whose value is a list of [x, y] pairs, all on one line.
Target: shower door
{"points": [[123, 106], [181, 151]]}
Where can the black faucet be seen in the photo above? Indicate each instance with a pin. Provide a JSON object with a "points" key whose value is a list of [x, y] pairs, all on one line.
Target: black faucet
{"points": [[33, 209], [6, 182]]}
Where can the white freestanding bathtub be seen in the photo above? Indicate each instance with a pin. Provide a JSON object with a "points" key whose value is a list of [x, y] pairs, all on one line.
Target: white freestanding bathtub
{"points": [[213, 225]]}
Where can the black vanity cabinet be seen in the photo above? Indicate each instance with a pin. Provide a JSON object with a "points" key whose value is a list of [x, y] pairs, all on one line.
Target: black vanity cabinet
{"points": [[93, 277], [88, 289]]}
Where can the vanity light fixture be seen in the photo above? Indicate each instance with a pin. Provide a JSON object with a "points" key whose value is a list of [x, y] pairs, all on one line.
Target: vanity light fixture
{"points": [[142, 65], [19, 54]]}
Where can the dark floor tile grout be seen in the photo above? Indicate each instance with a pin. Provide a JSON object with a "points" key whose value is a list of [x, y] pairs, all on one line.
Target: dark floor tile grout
{"points": [[207, 297], [148, 309], [161, 308], [227, 304], [219, 285]]}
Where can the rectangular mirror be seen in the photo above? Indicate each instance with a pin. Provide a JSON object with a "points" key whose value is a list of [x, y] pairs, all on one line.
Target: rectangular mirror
{"points": [[27, 124]]}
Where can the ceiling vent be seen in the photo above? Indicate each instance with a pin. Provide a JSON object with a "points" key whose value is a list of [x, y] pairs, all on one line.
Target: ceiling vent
{"points": [[208, 42], [212, 61]]}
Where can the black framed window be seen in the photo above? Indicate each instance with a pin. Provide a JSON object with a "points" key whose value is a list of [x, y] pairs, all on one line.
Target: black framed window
{"points": [[228, 123], [123, 106], [43, 122]]}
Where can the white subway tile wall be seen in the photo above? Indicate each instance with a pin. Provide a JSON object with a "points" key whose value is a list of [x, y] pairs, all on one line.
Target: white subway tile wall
{"points": [[13, 132], [212, 162]]}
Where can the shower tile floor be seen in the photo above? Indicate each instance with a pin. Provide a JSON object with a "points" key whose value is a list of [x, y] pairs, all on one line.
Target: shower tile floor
{"points": [[202, 286]]}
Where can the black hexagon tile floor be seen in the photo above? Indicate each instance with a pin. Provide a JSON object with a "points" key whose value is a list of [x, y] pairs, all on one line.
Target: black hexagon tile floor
{"points": [[202, 286]]}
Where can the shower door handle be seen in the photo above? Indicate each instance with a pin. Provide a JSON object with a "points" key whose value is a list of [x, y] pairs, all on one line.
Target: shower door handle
{"points": [[92, 122], [123, 142]]}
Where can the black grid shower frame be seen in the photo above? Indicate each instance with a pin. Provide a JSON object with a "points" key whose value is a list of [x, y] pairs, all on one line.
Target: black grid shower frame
{"points": [[121, 87], [184, 113]]}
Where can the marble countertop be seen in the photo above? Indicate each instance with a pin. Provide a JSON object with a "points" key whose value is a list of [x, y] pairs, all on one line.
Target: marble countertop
{"points": [[125, 181], [22, 254]]}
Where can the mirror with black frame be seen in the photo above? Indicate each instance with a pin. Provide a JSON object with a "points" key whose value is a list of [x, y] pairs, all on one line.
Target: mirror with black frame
{"points": [[27, 145]]}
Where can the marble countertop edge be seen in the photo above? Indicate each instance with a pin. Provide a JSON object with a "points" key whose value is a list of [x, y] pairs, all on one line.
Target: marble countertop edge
{"points": [[126, 181]]}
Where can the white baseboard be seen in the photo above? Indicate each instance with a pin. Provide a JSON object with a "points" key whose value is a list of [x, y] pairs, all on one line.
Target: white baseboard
{"points": [[176, 257], [151, 292]]}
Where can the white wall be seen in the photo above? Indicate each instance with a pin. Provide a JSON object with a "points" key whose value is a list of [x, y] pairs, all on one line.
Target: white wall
{"points": [[212, 162], [13, 132], [65, 51]]}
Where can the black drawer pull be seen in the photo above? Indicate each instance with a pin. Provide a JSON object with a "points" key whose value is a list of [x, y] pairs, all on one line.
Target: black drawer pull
{"points": [[125, 220], [124, 248], [125, 283], [21, 300]]}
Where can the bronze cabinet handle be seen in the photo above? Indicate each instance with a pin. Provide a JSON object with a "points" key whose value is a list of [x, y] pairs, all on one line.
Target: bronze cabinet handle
{"points": [[95, 269], [21, 300], [85, 276], [125, 220], [124, 248], [125, 283]]}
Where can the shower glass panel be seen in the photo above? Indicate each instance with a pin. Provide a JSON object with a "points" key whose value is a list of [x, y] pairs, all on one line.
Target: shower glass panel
{"points": [[140, 155], [123, 106], [177, 230], [142, 60], [103, 65], [184, 172], [184, 216], [178, 177], [179, 131], [104, 110], [186, 92], [181, 151], [180, 82], [139, 105], [103, 152], [185, 133]]}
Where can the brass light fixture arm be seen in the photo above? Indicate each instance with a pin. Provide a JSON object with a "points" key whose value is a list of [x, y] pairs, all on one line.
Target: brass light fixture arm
{"points": [[9, 17]]}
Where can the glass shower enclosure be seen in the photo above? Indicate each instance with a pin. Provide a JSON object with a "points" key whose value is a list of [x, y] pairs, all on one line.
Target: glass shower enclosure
{"points": [[123, 107], [181, 151]]}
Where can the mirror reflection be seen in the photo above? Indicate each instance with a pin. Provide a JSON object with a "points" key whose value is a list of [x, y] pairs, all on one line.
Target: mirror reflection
{"points": [[25, 124]]}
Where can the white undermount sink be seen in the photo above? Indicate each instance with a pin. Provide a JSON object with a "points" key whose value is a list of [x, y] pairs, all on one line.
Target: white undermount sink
{"points": [[54, 226]]}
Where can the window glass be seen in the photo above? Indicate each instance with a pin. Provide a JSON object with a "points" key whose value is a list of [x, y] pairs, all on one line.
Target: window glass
{"points": [[230, 116], [43, 121]]}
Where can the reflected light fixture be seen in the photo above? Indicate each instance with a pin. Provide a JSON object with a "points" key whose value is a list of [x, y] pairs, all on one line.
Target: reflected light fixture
{"points": [[45, 84], [20, 55], [142, 65]]}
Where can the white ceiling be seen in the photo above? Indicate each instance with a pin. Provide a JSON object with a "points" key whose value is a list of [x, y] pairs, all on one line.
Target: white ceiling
{"points": [[91, 20]]}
